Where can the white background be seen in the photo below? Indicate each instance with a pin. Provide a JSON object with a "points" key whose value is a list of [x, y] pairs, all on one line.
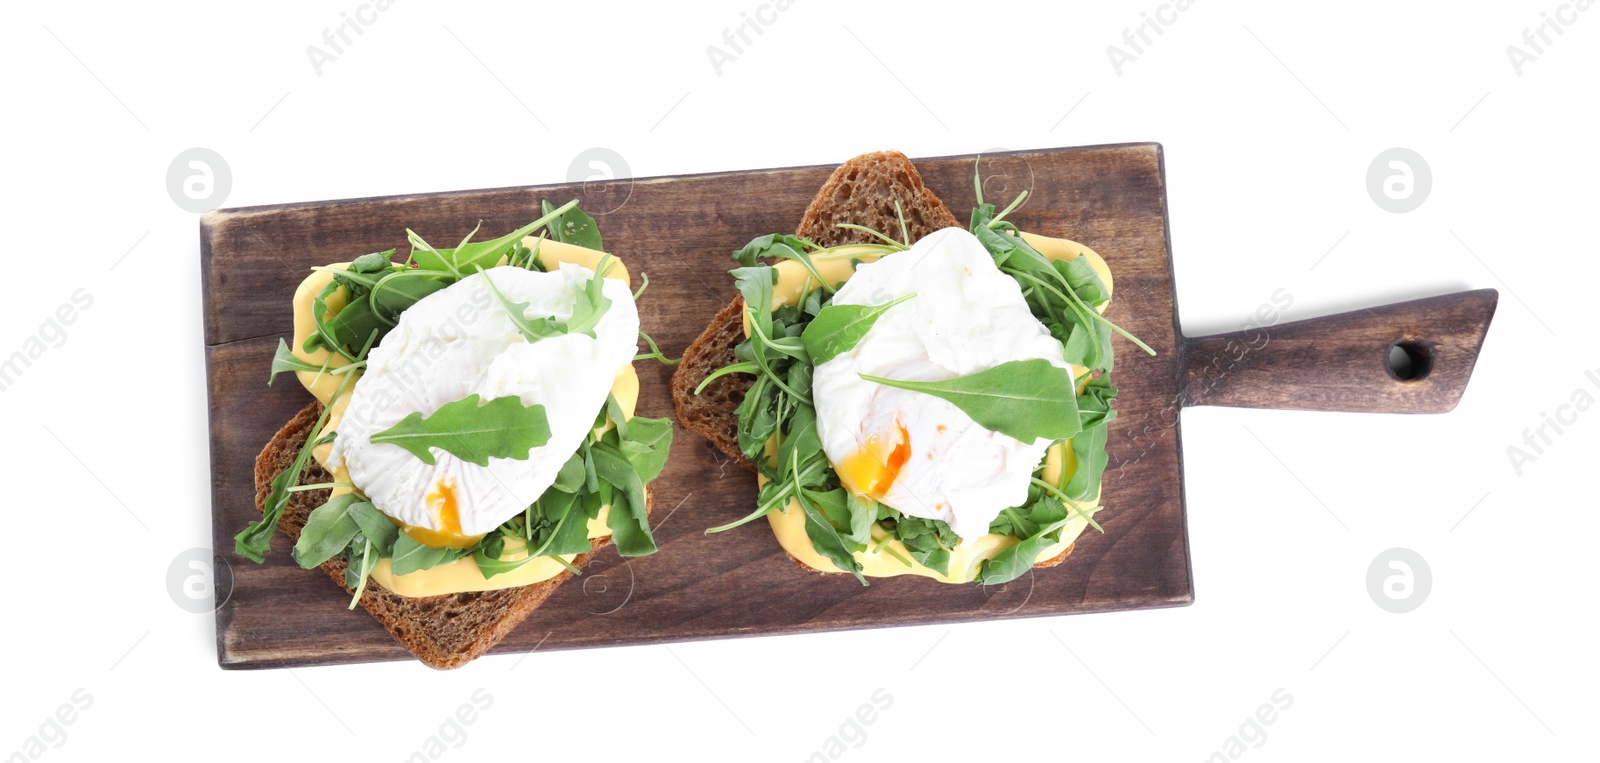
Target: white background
{"points": [[1269, 113]]}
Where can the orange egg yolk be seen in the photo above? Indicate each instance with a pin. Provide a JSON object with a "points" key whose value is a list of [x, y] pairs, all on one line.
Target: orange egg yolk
{"points": [[873, 468], [442, 501]]}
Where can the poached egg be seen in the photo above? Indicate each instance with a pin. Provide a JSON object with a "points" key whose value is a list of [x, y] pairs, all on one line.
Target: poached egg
{"points": [[910, 450], [460, 341]]}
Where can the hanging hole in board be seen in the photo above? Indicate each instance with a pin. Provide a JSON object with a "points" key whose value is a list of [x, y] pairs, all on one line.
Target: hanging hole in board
{"points": [[1409, 361]]}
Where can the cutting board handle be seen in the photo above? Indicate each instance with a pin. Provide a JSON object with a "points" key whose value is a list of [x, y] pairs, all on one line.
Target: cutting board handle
{"points": [[1408, 357]]}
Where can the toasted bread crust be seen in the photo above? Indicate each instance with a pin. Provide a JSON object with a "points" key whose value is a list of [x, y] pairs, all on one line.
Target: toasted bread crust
{"points": [[713, 413], [443, 632], [861, 191]]}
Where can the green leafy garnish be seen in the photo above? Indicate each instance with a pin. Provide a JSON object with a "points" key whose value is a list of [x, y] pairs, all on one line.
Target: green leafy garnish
{"points": [[591, 303], [501, 428], [573, 226], [1089, 446], [285, 360], [1024, 399], [410, 556], [838, 328], [630, 526], [328, 530], [533, 329]]}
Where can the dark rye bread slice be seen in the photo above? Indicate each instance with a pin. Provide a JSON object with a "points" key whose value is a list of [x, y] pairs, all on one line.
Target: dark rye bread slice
{"points": [[442, 631], [862, 191]]}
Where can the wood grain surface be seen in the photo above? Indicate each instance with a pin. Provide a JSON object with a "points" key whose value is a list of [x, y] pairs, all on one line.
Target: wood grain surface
{"points": [[1341, 362], [680, 230]]}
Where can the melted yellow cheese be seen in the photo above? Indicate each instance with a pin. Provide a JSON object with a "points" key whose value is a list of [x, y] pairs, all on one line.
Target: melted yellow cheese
{"points": [[461, 575], [885, 556]]}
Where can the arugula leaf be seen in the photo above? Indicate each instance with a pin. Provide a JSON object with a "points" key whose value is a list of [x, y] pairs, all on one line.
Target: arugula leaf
{"points": [[574, 227], [928, 540], [755, 285], [468, 257], [569, 533], [1015, 561], [863, 514], [930, 554], [628, 520], [571, 477], [410, 556], [825, 537], [1083, 279], [784, 247], [328, 530], [1089, 447], [838, 328], [1024, 399], [591, 303], [491, 564], [502, 428], [1024, 521], [1088, 345], [646, 445], [376, 527], [533, 329], [780, 245], [399, 290], [285, 360], [758, 417], [354, 324], [372, 263], [1094, 405], [359, 561], [801, 442]]}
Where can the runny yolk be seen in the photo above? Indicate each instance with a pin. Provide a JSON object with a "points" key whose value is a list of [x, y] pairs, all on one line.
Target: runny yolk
{"points": [[442, 501], [872, 469]]}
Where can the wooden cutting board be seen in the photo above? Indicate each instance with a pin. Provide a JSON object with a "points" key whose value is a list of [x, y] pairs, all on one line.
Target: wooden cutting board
{"points": [[680, 231]]}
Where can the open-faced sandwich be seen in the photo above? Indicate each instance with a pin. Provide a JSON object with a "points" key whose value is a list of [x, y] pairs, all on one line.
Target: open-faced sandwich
{"points": [[472, 443], [915, 397]]}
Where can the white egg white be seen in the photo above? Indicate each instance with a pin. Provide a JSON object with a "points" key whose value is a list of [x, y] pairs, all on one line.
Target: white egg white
{"points": [[966, 317], [457, 342]]}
